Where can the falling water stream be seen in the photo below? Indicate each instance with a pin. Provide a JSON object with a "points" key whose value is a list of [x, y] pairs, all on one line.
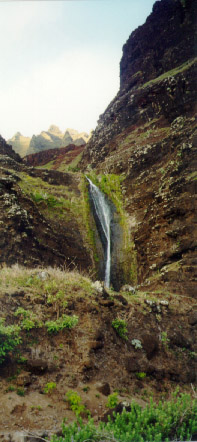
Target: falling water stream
{"points": [[103, 212]]}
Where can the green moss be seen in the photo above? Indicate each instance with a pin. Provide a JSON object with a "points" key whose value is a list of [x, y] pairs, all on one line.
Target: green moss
{"points": [[88, 230], [171, 73], [111, 185], [53, 201], [47, 166]]}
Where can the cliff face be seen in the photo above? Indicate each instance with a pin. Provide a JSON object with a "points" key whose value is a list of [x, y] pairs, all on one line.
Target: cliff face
{"points": [[38, 222], [51, 139], [58, 158], [147, 134], [165, 41], [20, 143], [145, 141]]}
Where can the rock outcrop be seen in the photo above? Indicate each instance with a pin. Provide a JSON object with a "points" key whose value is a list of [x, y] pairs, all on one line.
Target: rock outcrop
{"points": [[58, 158], [37, 222], [92, 359], [51, 139], [20, 143], [7, 150], [165, 41], [147, 134], [146, 138]]}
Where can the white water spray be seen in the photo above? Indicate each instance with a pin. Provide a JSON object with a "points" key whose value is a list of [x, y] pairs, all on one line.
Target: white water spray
{"points": [[103, 212]]}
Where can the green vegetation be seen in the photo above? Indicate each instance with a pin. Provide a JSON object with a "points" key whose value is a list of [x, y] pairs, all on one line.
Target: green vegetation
{"points": [[164, 339], [73, 166], [140, 375], [55, 297], [9, 339], [120, 326], [58, 287], [162, 422], [54, 201], [20, 392], [112, 186], [137, 344], [50, 387], [171, 73], [61, 323], [90, 233], [10, 388], [28, 319], [74, 401], [112, 400], [36, 407]]}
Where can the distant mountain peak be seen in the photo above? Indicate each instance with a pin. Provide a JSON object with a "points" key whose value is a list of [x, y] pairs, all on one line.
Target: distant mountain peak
{"points": [[47, 139], [54, 129]]}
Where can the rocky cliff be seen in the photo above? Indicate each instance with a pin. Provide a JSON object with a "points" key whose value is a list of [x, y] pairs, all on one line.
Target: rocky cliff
{"points": [[55, 138], [59, 158], [38, 222], [20, 143], [147, 135], [143, 155]]}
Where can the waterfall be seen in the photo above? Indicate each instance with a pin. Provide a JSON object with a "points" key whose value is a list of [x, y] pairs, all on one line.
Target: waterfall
{"points": [[103, 213]]}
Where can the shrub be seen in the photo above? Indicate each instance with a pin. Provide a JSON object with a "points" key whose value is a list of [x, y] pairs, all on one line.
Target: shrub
{"points": [[140, 375], [61, 323], [121, 328], [55, 297], [49, 387], [74, 401], [20, 392], [167, 421], [28, 319], [9, 339], [112, 400], [10, 388]]}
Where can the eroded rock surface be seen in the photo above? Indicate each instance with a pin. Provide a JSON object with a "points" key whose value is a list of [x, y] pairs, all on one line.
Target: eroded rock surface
{"points": [[148, 134]]}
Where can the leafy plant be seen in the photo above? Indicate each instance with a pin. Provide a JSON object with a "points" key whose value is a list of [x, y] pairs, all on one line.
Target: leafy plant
{"points": [[137, 344], [120, 326], [55, 297], [86, 389], [140, 375], [22, 360], [20, 392], [9, 339], [162, 422], [74, 401], [10, 388], [49, 387], [112, 400], [28, 319], [61, 323], [164, 339], [36, 407]]}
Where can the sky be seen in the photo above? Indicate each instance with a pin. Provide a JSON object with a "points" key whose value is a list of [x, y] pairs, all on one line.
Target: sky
{"points": [[60, 60]]}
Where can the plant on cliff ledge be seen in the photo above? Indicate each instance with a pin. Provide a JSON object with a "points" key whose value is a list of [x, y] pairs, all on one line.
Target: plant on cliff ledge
{"points": [[112, 400], [64, 322], [120, 326], [50, 387], [74, 401], [9, 339], [28, 319]]}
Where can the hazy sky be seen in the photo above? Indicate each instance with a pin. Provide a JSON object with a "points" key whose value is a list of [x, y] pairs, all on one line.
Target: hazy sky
{"points": [[60, 60]]}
